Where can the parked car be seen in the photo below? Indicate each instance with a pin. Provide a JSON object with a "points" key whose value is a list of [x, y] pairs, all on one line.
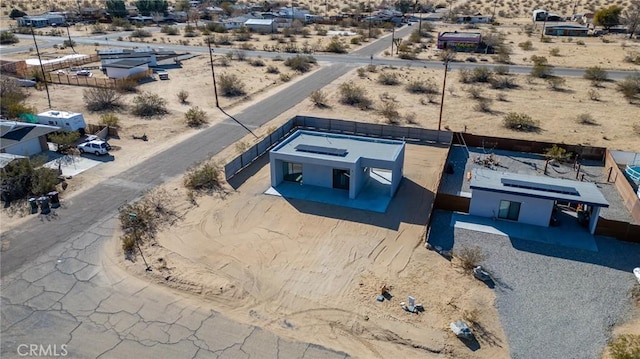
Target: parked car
{"points": [[96, 147], [84, 73]]}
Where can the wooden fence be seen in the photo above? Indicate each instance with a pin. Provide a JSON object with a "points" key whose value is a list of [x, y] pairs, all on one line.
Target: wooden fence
{"points": [[620, 230], [452, 202], [74, 80], [27, 71], [622, 185]]}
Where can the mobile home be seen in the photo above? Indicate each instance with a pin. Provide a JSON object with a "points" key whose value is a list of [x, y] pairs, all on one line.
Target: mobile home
{"points": [[67, 121]]}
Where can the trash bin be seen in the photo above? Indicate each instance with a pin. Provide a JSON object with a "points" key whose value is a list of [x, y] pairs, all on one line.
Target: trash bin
{"points": [[44, 205], [53, 197], [34, 205]]}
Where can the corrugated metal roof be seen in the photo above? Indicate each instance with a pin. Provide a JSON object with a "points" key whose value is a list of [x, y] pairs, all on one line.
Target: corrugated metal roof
{"points": [[538, 187]]}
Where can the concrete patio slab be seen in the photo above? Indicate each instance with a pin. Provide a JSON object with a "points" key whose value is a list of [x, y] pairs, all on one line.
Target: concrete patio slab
{"points": [[566, 235]]}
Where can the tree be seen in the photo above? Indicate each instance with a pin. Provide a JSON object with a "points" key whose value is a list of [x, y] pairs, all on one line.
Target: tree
{"points": [[631, 17], [608, 17], [116, 8], [146, 7], [182, 5], [64, 141], [404, 6], [15, 13]]}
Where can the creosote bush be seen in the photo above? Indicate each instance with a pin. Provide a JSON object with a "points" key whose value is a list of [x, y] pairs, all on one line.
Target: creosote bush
{"points": [[520, 122], [148, 104], [422, 86], [388, 79], [195, 117], [586, 119], [110, 120], [300, 63], [319, 98], [183, 96], [203, 178], [101, 99], [469, 257], [596, 75], [272, 69], [230, 85], [354, 95], [389, 110], [625, 346]]}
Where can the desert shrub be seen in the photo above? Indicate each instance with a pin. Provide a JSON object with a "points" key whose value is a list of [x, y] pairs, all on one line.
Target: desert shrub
{"points": [[319, 98], [632, 57], [183, 96], [240, 55], [501, 70], [336, 46], [101, 99], [127, 86], [257, 62], [273, 69], [140, 33], [503, 82], [545, 39], [25, 177], [542, 70], [230, 85], [580, 42], [354, 95], [630, 87], [469, 257], [501, 97], [625, 346], [149, 104], [586, 119], [361, 72], [7, 37], [12, 97], [388, 79], [300, 63], [321, 32], [520, 122], [389, 110], [478, 74], [483, 105], [170, 30], [556, 83], [556, 153], [110, 120], [526, 46], [475, 92], [195, 117], [594, 95], [372, 68], [98, 29], [284, 77], [69, 43], [204, 177], [596, 75], [411, 118], [554, 51], [420, 86]]}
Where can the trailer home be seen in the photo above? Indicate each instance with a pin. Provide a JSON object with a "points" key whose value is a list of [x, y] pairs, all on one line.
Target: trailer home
{"points": [[67, 121]]}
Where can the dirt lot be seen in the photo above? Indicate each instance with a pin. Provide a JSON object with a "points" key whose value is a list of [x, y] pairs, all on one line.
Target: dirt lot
{"points": [[312, 271]]}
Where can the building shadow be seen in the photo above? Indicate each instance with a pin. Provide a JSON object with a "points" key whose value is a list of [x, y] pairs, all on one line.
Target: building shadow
{"points": [[241, 177]]}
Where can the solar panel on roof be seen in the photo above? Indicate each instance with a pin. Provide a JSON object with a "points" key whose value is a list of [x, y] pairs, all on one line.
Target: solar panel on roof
{"points": [[545, 187], [322, 150]]}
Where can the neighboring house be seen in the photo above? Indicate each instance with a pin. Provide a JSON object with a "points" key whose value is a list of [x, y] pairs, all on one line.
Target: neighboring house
{"points": [[92, 12], [309, 18], [42, 20], [125, 68], [265, 26], [287, 12], [215, 10], [177, 16], [341, 162], [459, 41], [566, 30], [139, 19], [530, 199], [473, 19], [234, 22], [149, 55], [131, 10], [544, 15], [24, 139]]}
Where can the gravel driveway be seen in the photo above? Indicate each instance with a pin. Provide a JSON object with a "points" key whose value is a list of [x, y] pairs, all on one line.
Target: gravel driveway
{"points": [[554, 302]]}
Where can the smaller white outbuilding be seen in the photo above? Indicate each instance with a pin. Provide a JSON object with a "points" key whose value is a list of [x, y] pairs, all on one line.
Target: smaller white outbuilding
{"points": [[530, 199], [342, 162], [125, 68]]}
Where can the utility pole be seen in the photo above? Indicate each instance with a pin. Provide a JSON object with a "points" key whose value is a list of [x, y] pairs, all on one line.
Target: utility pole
{"points": [[444, 84], [493, 16], [213, 73], [393, 38], [44, 77], [369, 19], [133, 217]]}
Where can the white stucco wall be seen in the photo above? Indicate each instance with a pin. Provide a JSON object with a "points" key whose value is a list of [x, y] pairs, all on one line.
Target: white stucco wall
{"points": [[534, 211], [25, 148]]}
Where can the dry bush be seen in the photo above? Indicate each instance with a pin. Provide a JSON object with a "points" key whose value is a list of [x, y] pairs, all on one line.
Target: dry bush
{"points": [[503, 82], [475, 92], [110, 120], [556, 83], [101, 99], [300, 63], [388, 79], [625, 346], [422, 87], [554, 51], [203, 178], [501, 70], [354, 95], [586, 119], [319, 99], [469, 257], [501, 97], [183, 96], [483, 105], [273, 69], [149, 104], [594, 95], [285, 77], [520, 122], [195, 117], [230, 85], [630, 87], [361, 72], [127, 86], [526, 46], [389, 110], [596, 75]]}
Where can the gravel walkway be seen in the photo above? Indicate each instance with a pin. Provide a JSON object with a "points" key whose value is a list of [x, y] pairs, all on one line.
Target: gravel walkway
{"points": [[554, 302]]}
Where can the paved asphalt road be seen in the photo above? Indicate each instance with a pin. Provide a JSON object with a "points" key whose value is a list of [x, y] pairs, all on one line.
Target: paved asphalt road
{"points": [[361, 56]]}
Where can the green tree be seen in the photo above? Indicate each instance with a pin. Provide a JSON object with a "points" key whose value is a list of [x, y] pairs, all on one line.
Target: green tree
{"points": [[182, 5], [116, 8], [404, 6], [608, 17], [146, 7], [631, 17], [7, 37], [64, 141]]}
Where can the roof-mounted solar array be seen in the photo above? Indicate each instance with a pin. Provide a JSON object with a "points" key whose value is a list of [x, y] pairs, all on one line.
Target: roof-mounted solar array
{"points": [[540, 186], [341, 152]]}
